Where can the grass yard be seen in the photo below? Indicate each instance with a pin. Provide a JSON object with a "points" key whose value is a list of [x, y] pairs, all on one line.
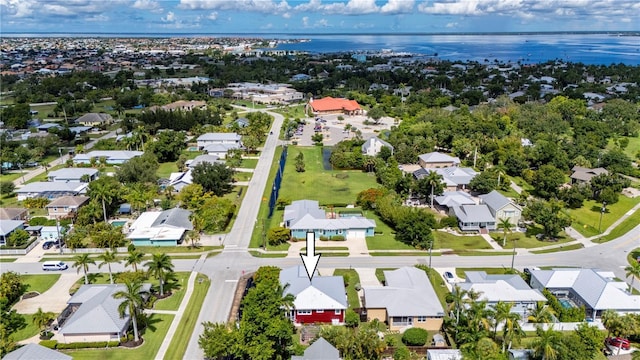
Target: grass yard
{"points": [[39, 283], [624, 227], [6, 259], [166, 169], [438, 285], [258, 254], [527, 240], [632, 149], [179, 343], [444, 240], [10, 175], [384, 237], [351, 279], [173, 302], [561, 248], [242, 176], [338, 186], [292, 111], [380, 273], [249, 163], [263, 212], [28, 331], [587, 218], [153, 336], [176, 249], [461, 272]]}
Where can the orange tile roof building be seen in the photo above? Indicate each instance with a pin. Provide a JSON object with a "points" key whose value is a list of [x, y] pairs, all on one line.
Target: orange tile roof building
{"points": [[329, 105]]}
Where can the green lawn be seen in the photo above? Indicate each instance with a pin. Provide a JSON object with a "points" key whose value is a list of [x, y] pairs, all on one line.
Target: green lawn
{"points": [[256, 236], [249, 163], [633, 255], [242, 176], [292, 111], [624, 227], [10, 176], [45, 175], [461, 272], [527, 240], [166, 169], [561, 248], [587, 218], [179, 343], [632, 149], [28, 331], [380, 273], [352, 279], [267, 255], [153, 337], [175, 249], [444, 240], [384, 237], [338, 186], [438, 285], [39, 283], [173, 302], [6, 259]]}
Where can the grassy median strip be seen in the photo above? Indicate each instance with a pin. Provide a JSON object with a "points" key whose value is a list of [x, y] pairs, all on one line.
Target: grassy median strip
{"points": [[624, 227], [4, 259], [559, 248], [266, 255], [179, 343]]}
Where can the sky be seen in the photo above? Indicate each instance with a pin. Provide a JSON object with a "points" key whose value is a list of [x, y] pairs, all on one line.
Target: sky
{"points": [[316, 16]]}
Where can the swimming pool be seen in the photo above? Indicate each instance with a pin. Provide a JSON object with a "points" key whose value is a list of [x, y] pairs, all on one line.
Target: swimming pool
{"points": [[567, 304], [118, 223]]}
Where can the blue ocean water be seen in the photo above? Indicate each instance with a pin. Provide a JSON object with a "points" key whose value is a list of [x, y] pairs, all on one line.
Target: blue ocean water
{"points": [[601, 49]]}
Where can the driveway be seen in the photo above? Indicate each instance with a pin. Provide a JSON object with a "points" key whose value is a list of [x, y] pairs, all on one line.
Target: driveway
{"points": [[54, 300]]}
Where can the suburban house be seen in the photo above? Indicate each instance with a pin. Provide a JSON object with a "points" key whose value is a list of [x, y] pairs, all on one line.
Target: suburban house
{"points": [[73, 175], [13, 213], [329, 105], [506, 288], [95, 119], [207, 139], [475, 218], [407, 300], [92, 315], [220, 150], [584, 175], [501, 207], [160, 228], [33, 351], [373, 146], [323, 300], [450, 199], [321, 349], [239, 122], [182, 105], [434, 160], [65, 206], [112, 157], [202, 159], [304, 216], [596, 290], [7, 227], [453, 177], [444, 354], [52, 232], [50, 190], [180, 179]]}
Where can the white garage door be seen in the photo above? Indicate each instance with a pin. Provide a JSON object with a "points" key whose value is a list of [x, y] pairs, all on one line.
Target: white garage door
{"points": [[356, 234]]}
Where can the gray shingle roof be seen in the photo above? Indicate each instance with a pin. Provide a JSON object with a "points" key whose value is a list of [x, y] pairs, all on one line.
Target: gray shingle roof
{"points": [[48, 186], [219, 137], [437, 157], [367, 144], [35, 352], [175, 217], [454, 198], [202, 159], [495, 201], [321, 349], [299, 208], [94, 118], [68, 201], [473, 213], [296, 277], [72, 173]]}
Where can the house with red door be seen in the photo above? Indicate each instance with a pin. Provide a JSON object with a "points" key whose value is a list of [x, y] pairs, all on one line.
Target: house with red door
{"points": [[321, 300]]}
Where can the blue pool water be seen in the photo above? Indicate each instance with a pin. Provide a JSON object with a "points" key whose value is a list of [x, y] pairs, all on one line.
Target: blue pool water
{"points": [[566, 304], [118, 223]]}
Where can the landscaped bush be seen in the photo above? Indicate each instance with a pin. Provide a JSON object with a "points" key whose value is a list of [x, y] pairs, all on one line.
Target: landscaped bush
{"points": [[337, 238], [324, 238], [51, 344], [351, 319], [415, 337], [87, 345], [449, 221], [574, 314]]}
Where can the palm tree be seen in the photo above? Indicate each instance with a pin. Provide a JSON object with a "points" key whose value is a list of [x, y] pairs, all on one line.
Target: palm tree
{"points": [[133, 301], [548, 343], [103, 193], [610, 319], [632, 271], [542, 313], [41, 319], [108, 257], [134, 258], [458, 295], [433, 179], [501, 313], [159, 264], [198, 224], [506, 225], [82, 261], [511, 330]]}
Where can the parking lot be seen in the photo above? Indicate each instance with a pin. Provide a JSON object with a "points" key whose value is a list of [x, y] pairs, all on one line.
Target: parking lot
{"points": [[333, 130]]}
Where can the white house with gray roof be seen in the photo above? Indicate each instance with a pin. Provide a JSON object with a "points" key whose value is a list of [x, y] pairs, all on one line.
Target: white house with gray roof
{"points": [[7, 227], [92, 315], [501, 207], [450, 199], [505, 288], [220, 150], [73, 175], [596, 290], [202, 159], [475, 218], [373, 146], [304, 216], [207, 139], [112, 157], [50, 190], [454, 178], [321, 349], [407, 300], [436, 159], [323, 300], [33, 351], [160, 228]]}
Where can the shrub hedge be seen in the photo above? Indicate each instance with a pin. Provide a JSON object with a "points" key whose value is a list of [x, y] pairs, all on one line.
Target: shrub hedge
{"points": [[53, 344], [415, 337]]}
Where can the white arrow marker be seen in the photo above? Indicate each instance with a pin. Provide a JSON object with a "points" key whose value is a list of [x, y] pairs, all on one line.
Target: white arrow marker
{"points": [[310, 261]]}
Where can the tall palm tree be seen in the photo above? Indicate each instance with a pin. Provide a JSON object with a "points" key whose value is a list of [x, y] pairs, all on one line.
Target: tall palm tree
{"points": [[458, 295], [134, 258], [511, 330], [41, 319], [501, 313], [133, 302], [632, 271], [506, 226], [548, 343], [108, 257], [610, 319], [82, 261], [542, 313], [159, 264], [103, 193], [433, 179]]}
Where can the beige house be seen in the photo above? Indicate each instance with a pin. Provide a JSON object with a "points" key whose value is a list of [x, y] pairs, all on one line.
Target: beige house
{"points": [[95, 119], [14, 214], [65, 206], [408, 300], [502, 207], [435, 160]]}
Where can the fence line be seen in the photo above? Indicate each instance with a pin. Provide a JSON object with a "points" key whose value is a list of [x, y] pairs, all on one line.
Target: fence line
{"points": [[275, 189]]}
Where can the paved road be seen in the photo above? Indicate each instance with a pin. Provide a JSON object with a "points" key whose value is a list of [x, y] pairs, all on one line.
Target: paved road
{"points": [[61, 160]]}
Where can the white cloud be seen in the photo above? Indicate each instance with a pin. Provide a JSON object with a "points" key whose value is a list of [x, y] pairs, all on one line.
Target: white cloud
{"points": [[351, 7], [452, 25], [213, 16], [99, 18], [55, 9], [17, 8], [150, 5], [261, 6], [170, 17], [397, 7], [305, 21]]}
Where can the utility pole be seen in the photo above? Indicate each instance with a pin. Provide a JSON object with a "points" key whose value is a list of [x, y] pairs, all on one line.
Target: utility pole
{"points": [[513, 255], [602, 210], [58, 233]]}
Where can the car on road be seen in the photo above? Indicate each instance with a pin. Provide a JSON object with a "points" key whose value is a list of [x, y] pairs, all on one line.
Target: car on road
{"points": [[618, 342], [54, 265], [449, 277]]}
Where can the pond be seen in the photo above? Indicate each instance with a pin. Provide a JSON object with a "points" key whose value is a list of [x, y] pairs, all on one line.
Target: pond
{"points": [[326, 156]]}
